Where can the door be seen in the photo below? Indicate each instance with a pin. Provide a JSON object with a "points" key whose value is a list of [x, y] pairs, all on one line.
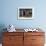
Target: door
{"points": [[13, 40]]}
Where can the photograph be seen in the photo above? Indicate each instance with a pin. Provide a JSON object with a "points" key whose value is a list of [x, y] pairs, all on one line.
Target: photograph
{"points": [[25, 13]]}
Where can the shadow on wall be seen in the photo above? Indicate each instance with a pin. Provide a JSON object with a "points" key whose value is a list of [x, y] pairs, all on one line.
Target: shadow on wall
{"points": [[2, 26]]}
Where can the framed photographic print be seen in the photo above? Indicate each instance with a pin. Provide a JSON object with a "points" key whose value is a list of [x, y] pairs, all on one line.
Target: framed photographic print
{"points": [[25, 13]]}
